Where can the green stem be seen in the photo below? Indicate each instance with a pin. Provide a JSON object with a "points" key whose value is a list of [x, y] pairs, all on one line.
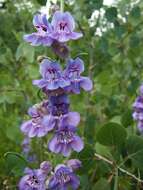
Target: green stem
{"points": [[62, 5], [116, 180], [48, 8]]}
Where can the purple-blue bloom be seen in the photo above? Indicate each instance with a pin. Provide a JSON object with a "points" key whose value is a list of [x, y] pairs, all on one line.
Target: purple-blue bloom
{"points": [[41, 37], [63, 26], [74, 164], [52, 76], [59, 113], [72, 72], [46, 167], [63, 178], [37, 126], [138, 110], [33, 180], [65, 140]]}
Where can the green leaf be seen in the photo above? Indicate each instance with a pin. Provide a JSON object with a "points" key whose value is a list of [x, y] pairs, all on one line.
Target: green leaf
{"points": [[103, 150], [25, 50], [127, 118], [15, 162], [111, 14], [136, 12], [97, 4], [86, 156], [102, 184], [135, 150], [111, 134]]}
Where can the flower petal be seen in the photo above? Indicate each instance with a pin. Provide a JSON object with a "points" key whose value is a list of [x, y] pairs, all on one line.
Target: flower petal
{"points": [[53, 145], [25, 127], [73, 118], [40, 83], [76, 35], [86, 83], [48, 122], [77, 144]]}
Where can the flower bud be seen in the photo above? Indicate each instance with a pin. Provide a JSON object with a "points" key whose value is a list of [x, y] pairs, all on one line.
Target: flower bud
{"points": [[74, 164], [46, 166]]}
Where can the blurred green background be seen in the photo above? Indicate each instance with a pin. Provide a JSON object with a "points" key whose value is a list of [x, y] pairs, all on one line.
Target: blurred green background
{"points": [[112, 49]]}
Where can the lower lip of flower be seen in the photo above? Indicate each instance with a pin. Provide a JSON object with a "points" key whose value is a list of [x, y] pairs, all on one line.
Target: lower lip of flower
{"points": [[36, 121]]}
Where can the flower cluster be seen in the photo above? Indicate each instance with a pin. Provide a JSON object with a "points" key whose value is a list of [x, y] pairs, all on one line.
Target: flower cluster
{"points": [[53, 115], [44, 178], [138, 110], [54, 34]]}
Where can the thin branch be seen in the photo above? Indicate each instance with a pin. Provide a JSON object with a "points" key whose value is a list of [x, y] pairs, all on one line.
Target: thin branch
{"points": [[62, 5], [117, 167]]}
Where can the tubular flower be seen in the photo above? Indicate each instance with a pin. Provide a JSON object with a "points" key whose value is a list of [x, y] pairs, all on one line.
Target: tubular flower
{"points": [[52, 76], [33, 180], [72, 72], [65, 140], [37, 125], [138, 110], [63, 178], [74, 164], [41, 37], [63, 26]]}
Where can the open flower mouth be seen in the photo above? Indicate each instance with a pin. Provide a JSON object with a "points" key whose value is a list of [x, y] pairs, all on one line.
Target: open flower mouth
{"points": [[62, 177], [65, 137], [63, 26], [52, 74], [33, 181], [36, 121]]}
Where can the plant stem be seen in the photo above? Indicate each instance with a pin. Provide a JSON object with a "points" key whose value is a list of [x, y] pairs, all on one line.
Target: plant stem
{"points": [[48, 8], [118, 167], [62, 5], [116, 180]]}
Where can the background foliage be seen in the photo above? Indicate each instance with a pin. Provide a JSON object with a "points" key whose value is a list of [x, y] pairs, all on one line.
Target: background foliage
{"points": [[112, 49]]}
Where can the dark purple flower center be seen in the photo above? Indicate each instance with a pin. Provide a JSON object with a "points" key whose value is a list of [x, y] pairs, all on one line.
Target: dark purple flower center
{"points": [[65, 137], [44, 28], [36, 121], [60, 109], [62, 177], [62, 26], [33, 181], [52, 74], [73, 73]]}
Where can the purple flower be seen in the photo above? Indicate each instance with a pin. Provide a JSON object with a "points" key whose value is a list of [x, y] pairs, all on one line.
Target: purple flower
{"points": [[140, 126], [74, 164], [72, 72], [41, 37], [64, 140], [33, 180], [46, 167], [63, 27], [37, 126], [59, 112], [58, 105], [63, 178], [52, 76], [138, 109]]}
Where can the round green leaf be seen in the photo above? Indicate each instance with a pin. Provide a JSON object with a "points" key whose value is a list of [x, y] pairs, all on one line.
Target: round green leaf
{"points": [[102, 184], [15, 163], [135, 150], [111, 134]]}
